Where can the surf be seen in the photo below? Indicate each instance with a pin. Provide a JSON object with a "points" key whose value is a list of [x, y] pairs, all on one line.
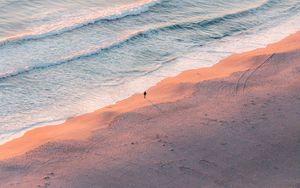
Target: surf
{"points": [[71, 72], [190, 24], [79, 22]]}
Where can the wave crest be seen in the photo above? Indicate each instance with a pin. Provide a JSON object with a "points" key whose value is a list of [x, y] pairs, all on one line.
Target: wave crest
{"points": [[70, 25], [141, 34]]}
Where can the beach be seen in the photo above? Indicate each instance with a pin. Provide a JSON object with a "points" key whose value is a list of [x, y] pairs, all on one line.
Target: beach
{"points": [[62, 59], [235, 124]]}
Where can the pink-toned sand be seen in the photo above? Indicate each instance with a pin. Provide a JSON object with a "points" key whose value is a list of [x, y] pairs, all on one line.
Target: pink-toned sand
{"points": [[236, 124]]}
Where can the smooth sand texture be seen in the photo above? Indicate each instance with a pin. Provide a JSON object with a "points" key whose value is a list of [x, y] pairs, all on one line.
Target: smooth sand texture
{"points": [[236, 124]]}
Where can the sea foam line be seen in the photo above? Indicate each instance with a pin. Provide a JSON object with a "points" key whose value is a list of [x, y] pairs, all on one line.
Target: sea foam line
{"points": [[265, 37], [132, 36], [40, 33], [81, 54]]}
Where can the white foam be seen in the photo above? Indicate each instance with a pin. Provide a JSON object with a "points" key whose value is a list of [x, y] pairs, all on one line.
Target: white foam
{"points": [[205, 56], [77, 21], [13, 135]]}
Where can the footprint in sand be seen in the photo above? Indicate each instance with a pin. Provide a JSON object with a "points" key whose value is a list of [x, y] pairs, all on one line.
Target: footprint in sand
{"points": [[206, 164], [190, 171], [47, 179], [46, 184]]}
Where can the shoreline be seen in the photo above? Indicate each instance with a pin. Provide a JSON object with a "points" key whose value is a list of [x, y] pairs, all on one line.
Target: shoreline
{"points": [[262, 33], [235, 124], [263, 44], [162, 92]]}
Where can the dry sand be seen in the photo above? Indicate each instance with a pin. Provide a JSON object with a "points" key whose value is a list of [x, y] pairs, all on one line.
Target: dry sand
{"points": [[236, 124]]}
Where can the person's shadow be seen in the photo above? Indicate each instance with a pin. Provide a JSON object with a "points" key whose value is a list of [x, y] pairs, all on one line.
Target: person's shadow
{"points": [[154, 105]]}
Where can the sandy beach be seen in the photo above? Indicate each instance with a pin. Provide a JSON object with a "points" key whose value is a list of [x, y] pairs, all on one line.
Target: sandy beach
{"points": [[235, 124]]}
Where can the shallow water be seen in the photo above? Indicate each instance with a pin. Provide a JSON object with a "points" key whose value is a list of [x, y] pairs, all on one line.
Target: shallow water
{"points": [[60, 59]]}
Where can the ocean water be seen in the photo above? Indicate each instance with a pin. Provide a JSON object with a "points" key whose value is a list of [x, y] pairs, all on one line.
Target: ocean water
{"points": [[59, 59]]}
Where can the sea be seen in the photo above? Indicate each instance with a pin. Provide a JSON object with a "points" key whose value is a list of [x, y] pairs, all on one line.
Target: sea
{"points": [[60, 59]]}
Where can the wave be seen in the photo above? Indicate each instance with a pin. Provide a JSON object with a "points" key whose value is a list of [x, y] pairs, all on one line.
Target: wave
{"points": [[132, 10], [194, 24], [18, 132], [82, 54], [142, 34]]}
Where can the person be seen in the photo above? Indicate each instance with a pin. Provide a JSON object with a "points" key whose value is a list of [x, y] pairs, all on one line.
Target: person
{"points": [[145, 94]]}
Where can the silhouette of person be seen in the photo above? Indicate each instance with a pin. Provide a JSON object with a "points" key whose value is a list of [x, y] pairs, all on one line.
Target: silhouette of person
{"points": [[145, 94]]}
